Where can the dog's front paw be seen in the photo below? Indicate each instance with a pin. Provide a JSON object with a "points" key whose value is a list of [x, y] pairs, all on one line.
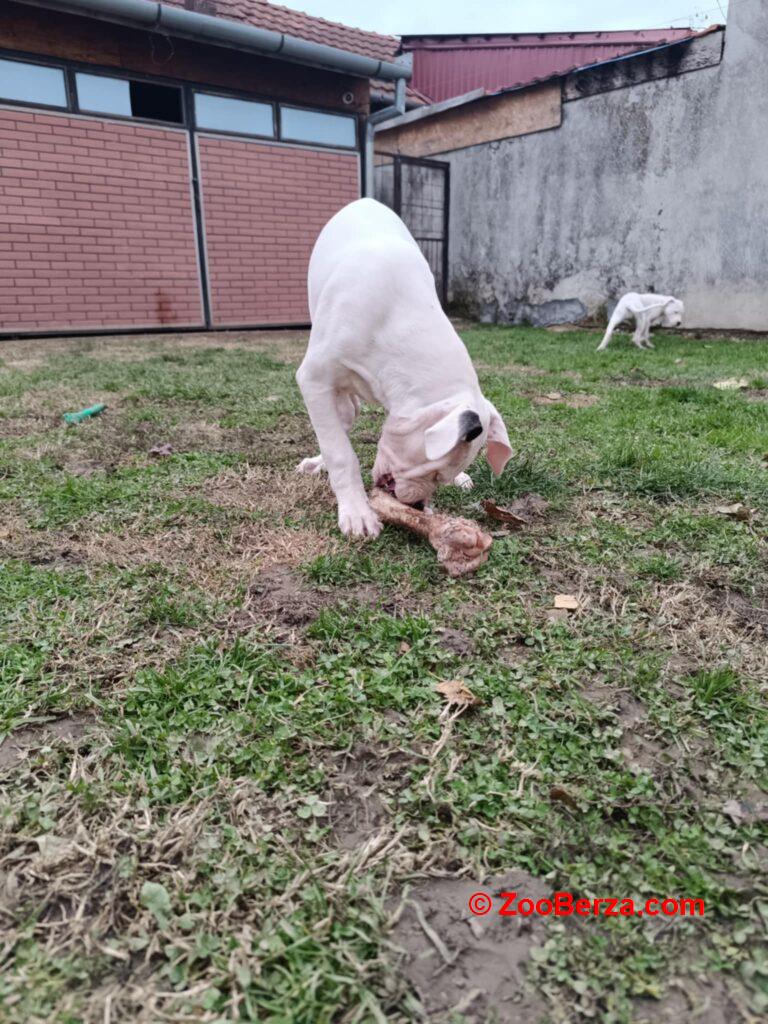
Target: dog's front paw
{"points": [[359, 521], [464, 481], [311, 467]]}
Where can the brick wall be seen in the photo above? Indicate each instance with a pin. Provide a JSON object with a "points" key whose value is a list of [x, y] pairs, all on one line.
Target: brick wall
{"points": [[98, 227], [263, 207]]}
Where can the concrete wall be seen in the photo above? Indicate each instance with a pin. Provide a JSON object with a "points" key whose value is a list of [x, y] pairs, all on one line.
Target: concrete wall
{"points": [[661, 185]]}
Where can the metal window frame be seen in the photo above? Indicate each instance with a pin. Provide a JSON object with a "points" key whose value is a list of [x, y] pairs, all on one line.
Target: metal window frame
{"points": [[14, 101], [71, 68], [78, 109], [248, 98], [312, 142]]}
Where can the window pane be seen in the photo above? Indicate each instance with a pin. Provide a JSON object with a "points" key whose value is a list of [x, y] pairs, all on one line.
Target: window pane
{"points": [[224, 114], [159, 102], [129, 98], [104, 95], [312, 126], [32, 83]]}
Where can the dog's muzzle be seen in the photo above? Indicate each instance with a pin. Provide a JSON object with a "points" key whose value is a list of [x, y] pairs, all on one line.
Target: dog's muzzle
{"points": [[387, 483]]}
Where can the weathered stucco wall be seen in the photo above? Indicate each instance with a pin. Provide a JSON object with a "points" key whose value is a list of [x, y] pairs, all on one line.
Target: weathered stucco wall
{"points": [[659, 186]]}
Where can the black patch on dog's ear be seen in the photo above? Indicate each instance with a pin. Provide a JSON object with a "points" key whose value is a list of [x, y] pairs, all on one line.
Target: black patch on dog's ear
{"points": [[470, 426]]}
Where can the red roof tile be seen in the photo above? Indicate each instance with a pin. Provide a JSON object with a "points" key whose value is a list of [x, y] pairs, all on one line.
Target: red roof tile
{"points": [[295, 23]]}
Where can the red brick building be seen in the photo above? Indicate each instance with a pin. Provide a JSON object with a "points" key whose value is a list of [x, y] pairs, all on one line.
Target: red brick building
{"points": [[169, 165]]}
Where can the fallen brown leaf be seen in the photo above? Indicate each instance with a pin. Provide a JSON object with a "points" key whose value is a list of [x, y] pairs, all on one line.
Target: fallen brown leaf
{"points": [[564, 797], [737, 511], [567, 601], [456, 691], [503, 515], [519, 513]]}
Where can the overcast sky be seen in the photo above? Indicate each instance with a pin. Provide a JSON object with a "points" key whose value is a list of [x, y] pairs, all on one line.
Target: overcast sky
{"points": [[401, 17]]}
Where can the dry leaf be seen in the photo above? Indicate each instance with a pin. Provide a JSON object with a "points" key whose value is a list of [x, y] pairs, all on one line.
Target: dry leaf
{"points": [[564, 797], [160, 451], [519, 513], [732, 384], [567, 601], [503, 515], [734, 810], [456, 691], [737, 511]]}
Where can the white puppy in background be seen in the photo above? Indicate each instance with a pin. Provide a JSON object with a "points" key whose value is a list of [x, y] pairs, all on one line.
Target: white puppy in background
{"points": [[380, 335], [648, 311]]}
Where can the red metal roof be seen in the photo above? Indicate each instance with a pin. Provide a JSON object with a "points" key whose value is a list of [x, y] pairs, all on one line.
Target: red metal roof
{"points": [[295, 23], [448, 66]]}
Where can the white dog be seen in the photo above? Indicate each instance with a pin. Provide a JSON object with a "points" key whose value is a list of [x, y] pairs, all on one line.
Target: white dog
{"points": [[648, 311], [380, 335]]}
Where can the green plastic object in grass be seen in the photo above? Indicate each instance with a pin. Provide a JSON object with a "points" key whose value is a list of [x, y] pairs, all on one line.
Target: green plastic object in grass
{"points": [[84, 414]]}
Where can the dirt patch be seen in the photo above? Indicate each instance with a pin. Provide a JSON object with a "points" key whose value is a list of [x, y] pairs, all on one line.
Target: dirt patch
{"points": [[481, 968], [733, 604], [217, 561], [518, 368], [640, 750], [282, 597], [705, 999], [356, 808], [64, 732], [577, 400], [756, 394], [640, 747], [24, 353], [456, 642], [264, 489]]}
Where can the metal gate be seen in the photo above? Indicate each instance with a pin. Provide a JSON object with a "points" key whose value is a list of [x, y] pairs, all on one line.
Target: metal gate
{"points": [[418, 191]]}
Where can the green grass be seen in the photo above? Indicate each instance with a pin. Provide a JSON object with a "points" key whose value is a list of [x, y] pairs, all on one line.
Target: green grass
{"points": [[171, 844]]}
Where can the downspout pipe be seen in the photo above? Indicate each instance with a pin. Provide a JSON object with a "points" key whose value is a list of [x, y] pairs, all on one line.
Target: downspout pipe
{"points": [[394, 110], [235, 35]]}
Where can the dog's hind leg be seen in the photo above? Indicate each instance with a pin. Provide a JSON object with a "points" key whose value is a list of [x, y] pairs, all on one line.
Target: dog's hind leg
{"points": [[642, 328], [618, 315]]}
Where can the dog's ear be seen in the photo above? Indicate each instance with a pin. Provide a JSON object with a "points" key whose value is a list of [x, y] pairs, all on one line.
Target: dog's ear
{"points": [[499, 449], [460, 424]]}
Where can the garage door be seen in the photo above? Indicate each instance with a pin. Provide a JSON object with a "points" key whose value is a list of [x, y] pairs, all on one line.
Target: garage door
{"points": [[263, 207], [98, 225]]}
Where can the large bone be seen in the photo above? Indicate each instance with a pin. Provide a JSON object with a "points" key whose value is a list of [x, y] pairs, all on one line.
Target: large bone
{"points": [[461, 545]]}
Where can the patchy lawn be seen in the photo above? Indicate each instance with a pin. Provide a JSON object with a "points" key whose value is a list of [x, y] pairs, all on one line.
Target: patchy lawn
{"points": [[229, 793]]}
